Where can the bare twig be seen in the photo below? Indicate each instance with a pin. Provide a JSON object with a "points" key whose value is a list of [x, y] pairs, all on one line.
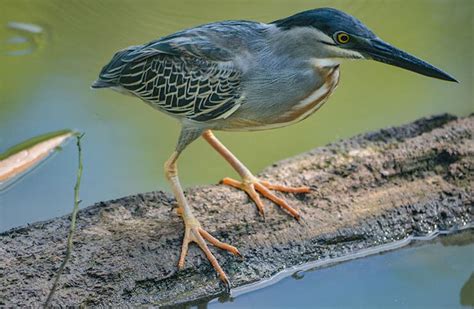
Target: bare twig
{"points": [[73, 223]]}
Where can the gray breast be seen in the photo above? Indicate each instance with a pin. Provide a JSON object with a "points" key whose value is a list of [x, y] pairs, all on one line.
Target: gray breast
{"points": [[291, 96]]}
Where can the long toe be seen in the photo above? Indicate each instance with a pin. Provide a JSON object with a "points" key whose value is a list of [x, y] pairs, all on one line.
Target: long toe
{"points": [[275, 199], [254, 186], [218, 243]]}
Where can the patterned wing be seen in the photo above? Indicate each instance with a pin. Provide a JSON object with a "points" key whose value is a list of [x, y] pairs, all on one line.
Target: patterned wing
{"points": [[189, 74], [193, 88]]}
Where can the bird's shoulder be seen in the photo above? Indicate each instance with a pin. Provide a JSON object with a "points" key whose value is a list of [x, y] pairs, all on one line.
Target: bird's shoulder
{"points": [[217, 46], [215, 42]]}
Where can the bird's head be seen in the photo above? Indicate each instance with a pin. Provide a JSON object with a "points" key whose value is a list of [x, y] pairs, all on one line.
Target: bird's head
{"points": [[335, 34]]}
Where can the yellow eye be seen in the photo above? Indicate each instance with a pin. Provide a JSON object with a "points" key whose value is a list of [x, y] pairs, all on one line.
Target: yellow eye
{"points": [[342, 37]]}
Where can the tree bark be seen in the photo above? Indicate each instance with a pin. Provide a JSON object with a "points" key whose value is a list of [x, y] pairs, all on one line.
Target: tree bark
{"points": [[369, 190]]}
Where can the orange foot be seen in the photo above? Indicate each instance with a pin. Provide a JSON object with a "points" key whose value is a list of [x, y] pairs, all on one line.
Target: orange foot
{"points": [[195, 233], [253, 185]]}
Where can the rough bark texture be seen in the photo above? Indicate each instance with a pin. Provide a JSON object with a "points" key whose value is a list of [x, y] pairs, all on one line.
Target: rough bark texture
{"points": [[368, 190]]}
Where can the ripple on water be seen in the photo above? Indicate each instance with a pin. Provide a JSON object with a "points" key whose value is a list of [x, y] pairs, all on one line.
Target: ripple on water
{"points": [[24, 38]]}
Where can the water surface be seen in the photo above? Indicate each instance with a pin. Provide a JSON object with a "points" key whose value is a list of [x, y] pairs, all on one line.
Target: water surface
{"points": [[434, 274]]}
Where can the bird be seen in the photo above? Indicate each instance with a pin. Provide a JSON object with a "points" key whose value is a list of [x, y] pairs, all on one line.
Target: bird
{"points": [[241, 75]]}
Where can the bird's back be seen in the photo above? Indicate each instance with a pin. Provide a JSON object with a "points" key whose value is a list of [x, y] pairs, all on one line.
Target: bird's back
{"points": [[191, 74]]}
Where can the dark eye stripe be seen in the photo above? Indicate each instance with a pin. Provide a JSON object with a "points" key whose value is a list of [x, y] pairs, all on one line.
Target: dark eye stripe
{"points": [[327, 43]]}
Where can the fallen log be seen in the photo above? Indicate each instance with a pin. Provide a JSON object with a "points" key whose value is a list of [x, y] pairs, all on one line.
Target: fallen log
{"points": [[369, 190]]}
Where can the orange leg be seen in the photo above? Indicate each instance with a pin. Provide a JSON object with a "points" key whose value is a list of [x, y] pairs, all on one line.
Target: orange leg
{"points": [[250, 183], [193, 230]]}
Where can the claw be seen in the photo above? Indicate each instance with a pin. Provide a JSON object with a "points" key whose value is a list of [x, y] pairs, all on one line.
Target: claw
{"points": [[226, 286]]}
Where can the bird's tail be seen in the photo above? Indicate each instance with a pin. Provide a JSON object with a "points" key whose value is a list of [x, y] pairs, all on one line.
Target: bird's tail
{"points": [[100, 84], [110, 74]]}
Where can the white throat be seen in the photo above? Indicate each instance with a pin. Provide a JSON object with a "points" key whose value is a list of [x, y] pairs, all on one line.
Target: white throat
{"points": [[325, 62]]}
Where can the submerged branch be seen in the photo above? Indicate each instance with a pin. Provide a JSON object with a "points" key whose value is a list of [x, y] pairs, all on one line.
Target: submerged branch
{"points": [[369, 190], [23, 157]]}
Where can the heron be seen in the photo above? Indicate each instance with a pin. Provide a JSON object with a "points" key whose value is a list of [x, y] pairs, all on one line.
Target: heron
{"points": [[244, 76]]}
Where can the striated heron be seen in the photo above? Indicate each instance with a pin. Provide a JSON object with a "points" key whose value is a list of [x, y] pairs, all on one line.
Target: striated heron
{"points": [[243, 76]]}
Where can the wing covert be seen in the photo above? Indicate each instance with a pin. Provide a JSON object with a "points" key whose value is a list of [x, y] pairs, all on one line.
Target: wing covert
{"points": [[190, 74]]}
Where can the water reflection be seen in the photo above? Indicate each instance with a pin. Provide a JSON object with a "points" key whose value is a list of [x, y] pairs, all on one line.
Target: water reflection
{"points": [[427, 273], [458, 239], [467, 292], [298, 275], [24, 38]]}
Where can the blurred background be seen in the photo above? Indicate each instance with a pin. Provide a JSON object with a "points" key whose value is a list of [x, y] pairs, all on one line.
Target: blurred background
{"points": [[47, 67]]}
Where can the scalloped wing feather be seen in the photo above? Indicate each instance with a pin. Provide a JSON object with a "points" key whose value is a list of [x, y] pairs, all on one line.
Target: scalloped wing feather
{"points": [[187, 74]]}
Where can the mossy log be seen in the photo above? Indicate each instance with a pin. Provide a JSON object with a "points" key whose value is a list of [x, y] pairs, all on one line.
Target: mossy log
{"points": [[368, 190]]}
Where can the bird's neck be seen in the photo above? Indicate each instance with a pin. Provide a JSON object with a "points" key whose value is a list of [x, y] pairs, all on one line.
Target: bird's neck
{"points": [[299, 43]]}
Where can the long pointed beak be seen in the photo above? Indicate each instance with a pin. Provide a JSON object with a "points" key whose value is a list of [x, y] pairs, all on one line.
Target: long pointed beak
{"points": [[386, 53]]}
